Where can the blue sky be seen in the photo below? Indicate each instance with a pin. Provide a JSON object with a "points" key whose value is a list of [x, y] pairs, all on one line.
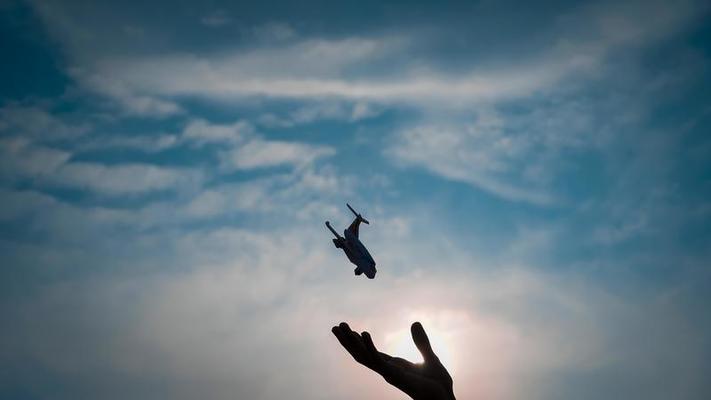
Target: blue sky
{"points": [[537, 178]]}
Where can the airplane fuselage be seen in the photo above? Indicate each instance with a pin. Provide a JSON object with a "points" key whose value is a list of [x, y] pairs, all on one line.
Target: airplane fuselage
{"points": [[358, 254]]}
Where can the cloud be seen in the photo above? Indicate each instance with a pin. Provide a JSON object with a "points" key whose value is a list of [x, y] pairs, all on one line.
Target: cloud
{"points": [[37, 123], [303, 194], [513, 331], [229, 291], [310, 191], [146, 143], [351, 68], [529, 150], [249, 75], [132, 102], [16, 204], [129, 178], [23, 125], [201, 132], [48, 166], [146, 86], [259, 153], [246, 149], [331, 110], [21, 157], [479, 153], [253, 197]]}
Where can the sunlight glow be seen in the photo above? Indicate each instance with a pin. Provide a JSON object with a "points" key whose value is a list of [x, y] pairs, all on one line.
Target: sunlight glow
{"points": [[400, 344]]}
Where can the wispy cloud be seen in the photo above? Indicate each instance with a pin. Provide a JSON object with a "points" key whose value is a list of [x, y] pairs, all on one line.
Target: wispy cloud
{"points": [[119, 179], [319, 111], [20, 156], [323, 68], [38, 123], [48, 166], [243, 148], [150, 143], [201, 132], [259, 153], [480, 153], [133, 102], [16, 204]]}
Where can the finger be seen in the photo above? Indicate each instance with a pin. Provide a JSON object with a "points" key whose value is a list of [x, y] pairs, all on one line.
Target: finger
{"points": [[423, 343], [345, 339], [368, 341], [353, 343], [336, 330], [378, 362], [355, 338], [338, 333], [369, 358], [348, 334]]}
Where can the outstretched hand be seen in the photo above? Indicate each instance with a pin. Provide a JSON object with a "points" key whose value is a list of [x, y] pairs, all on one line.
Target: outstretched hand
{"points": [[426, 381]]}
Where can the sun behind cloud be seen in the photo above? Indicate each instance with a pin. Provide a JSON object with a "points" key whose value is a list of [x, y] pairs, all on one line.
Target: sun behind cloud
{"points": [[399, 343]]}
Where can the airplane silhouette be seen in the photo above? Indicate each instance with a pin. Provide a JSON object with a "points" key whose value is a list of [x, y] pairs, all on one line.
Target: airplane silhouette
{"points": [[352, 246]]}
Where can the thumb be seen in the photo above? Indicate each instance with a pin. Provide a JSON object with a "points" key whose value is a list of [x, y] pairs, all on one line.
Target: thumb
{"points": [[423, 343]]}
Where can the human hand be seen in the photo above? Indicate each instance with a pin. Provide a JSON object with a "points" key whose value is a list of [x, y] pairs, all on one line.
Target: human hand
{"points": [[426, 381]]}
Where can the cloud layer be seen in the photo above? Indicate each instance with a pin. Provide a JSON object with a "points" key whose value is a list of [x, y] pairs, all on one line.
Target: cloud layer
{"points": [[536, 178]]}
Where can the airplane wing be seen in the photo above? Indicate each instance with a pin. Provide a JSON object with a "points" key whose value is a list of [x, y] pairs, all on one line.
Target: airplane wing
{"points": [[328, 225], [357, 214]]}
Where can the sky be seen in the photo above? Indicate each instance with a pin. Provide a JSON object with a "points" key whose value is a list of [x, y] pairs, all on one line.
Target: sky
{"points": [[537, 178]]}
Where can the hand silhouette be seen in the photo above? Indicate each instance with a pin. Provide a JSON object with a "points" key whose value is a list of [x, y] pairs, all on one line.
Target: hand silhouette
{"points": [[426, 381]]}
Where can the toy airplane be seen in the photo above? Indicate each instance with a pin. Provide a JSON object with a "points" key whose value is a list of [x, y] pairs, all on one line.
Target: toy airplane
{"points": [[354, 249]]}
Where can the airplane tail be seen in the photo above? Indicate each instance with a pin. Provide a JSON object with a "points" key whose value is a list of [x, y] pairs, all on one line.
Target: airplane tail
{"points": [[365, 221]]}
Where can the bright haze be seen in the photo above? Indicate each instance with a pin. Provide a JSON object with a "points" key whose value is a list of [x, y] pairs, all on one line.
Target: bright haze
{"points": [[537, 178]]}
